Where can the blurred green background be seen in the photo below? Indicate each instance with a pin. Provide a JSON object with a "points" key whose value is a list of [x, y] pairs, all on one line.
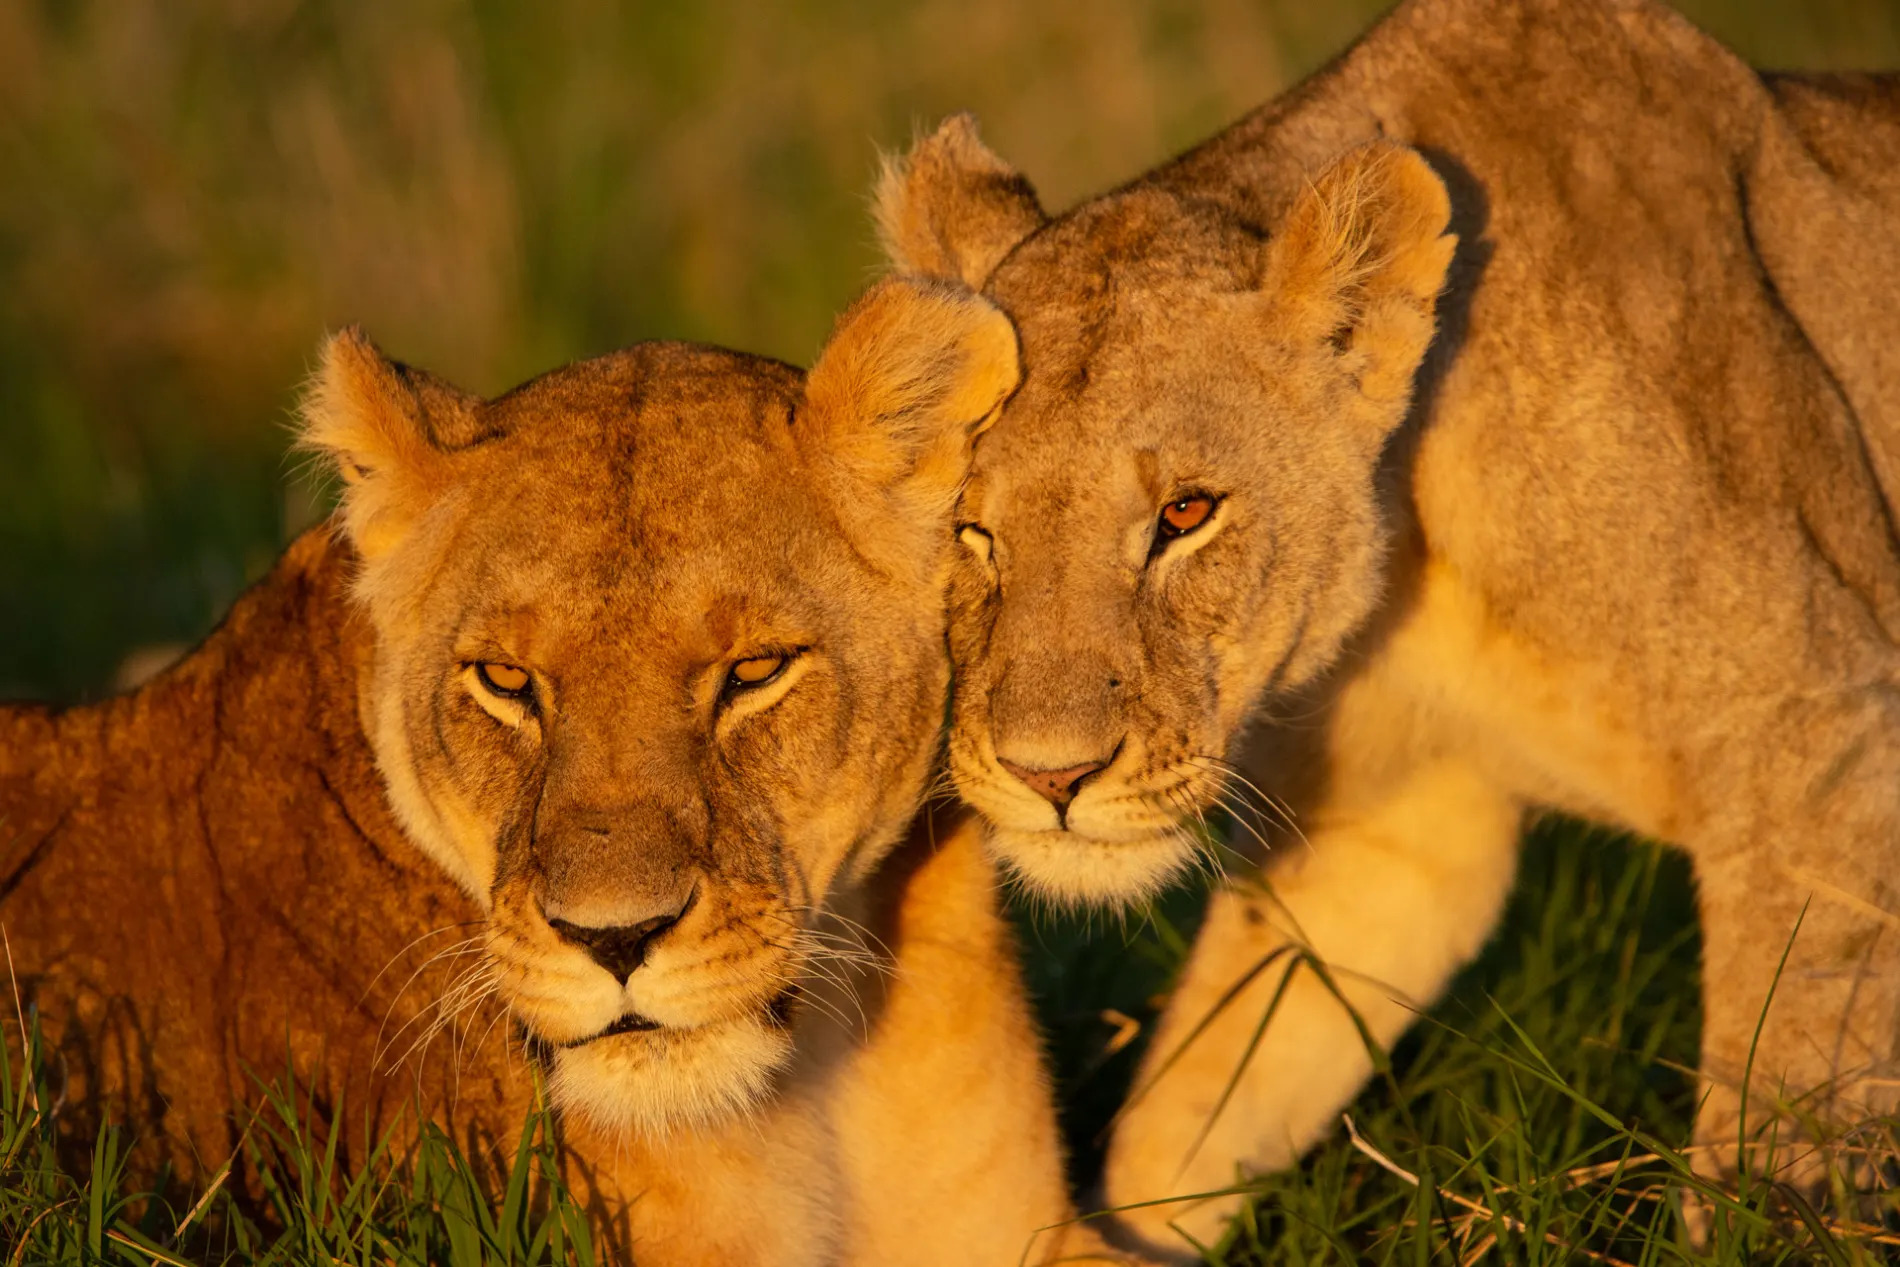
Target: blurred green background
{"points": [[192, 191]]}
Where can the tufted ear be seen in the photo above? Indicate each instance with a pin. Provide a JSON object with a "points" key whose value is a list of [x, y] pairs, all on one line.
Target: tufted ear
{"points": [[913, 371], [387, 430], [952, 209], [1359, 263]]}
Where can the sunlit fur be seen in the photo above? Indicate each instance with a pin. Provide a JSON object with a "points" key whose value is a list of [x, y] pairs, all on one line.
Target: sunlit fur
{"points": [[327, 842], [1146, 649], [1627, 550], [630, 784]]}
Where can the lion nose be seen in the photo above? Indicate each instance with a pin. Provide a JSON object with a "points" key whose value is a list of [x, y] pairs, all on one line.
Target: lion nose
{"points": [[1058, 787], [619, 950]]}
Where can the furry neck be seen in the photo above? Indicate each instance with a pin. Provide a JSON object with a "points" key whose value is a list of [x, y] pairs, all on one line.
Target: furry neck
{"points": [[202, 880], [270, 691]]}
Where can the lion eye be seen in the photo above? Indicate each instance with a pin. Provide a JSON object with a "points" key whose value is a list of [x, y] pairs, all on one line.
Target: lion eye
{"points": [[505, 680], [1178, 518], [755, 672]]}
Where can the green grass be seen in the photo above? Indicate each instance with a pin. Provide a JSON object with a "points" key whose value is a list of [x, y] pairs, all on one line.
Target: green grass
{"points": [[1540, 1108], [428, 1204], [1537, 1112], [191, 192]]}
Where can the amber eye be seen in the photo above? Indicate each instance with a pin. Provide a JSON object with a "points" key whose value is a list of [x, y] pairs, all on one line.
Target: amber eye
{"points": [[504, 680], [1178, 518], [755, 672]]}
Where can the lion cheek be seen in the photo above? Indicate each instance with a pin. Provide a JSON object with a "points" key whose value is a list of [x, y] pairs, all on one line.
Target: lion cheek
{"points": [[439, 822]]}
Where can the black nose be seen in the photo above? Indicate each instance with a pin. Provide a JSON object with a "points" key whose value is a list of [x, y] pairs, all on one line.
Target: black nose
{"points": [[619, 950]]}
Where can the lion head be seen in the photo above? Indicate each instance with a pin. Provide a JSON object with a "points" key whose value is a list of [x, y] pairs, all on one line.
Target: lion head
{"points": [[659, 666], [1176, 515]]}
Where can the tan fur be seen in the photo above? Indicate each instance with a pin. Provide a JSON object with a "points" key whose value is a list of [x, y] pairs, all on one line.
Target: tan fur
{"points": [[319, 834], [1629, 553], [964, 236]]}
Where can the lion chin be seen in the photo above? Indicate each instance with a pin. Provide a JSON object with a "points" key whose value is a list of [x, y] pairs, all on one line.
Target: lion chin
{"points": [[1074, 870], [656, 1082]]}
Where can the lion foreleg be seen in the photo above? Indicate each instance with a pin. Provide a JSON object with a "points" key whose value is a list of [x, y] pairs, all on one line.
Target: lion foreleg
{"points": [[1370, 917]]}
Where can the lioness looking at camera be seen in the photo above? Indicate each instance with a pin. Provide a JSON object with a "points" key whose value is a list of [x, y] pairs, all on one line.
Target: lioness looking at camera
{"points": [[1626, 549], [621, 689]]}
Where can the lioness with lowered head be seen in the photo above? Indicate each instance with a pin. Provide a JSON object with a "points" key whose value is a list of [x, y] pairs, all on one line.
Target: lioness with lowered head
{"points": [[1626, 551], [636, 676]]}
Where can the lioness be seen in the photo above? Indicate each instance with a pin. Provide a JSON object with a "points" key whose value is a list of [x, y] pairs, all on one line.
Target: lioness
{"points": [[1627, 551], [618, 689]]}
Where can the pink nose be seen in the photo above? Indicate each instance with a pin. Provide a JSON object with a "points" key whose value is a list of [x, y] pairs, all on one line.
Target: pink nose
{"points": [[1058, 787]]}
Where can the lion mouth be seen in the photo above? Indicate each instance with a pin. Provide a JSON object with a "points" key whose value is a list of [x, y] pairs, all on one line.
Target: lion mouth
{"points": [[631, 1023], [777, 1013]]}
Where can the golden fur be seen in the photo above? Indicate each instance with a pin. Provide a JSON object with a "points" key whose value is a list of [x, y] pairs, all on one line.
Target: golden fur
{"points": [[253, 857], [1629, 553]]}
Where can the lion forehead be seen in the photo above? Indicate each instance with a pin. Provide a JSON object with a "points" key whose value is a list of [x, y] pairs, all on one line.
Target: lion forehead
{"points": [[638, 467], [659, 388]]}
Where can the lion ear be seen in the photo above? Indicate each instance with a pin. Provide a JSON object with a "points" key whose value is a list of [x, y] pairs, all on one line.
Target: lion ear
{"points": [[913, 371], [951, 208], [1360, 261], [387, 431]]}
